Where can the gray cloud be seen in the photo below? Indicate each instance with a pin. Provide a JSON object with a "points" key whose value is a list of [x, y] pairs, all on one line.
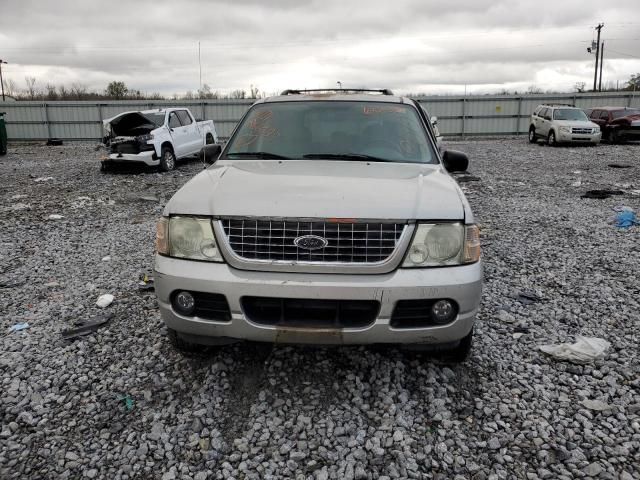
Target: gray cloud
{"points": [[406, 45]]}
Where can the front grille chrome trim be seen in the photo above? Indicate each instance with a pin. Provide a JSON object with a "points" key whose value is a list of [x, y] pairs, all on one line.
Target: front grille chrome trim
{"points": [[295, 264]]}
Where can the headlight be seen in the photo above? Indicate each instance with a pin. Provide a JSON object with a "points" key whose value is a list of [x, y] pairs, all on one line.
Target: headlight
{"points": [[444, 244], [565, 129], [145, 138], [187, 237], [595, 130]]}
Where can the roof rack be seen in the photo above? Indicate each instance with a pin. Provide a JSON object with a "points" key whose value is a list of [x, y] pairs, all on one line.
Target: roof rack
{"points": [[559, 105], [383, 91]]}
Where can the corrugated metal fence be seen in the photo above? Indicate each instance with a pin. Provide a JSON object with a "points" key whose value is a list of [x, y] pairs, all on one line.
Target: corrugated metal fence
{"points": [[457, 116]]}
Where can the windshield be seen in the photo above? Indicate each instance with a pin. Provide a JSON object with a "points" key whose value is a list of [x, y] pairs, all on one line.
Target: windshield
{"points": [[569, 114], [156, 118], [332, 130], [624, 113]]}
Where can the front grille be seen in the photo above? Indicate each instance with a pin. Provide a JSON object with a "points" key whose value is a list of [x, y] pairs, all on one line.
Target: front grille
{"points": [[310, 313], [360, 243], [581, 131]]}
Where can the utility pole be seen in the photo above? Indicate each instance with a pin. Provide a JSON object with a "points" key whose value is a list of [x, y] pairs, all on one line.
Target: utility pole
{"points": [[1, 82], [200, 65], [595, 75], [601, 63]]}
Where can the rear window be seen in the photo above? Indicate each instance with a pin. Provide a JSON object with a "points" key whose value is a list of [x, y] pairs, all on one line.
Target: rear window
{"points": [[388, 131], [624, 113]]}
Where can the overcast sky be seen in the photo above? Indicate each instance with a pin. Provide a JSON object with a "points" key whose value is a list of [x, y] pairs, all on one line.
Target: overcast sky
{"points": [[429, 46]]}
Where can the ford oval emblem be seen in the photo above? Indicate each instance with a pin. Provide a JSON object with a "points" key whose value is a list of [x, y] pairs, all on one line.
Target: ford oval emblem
{"points": [[310, 242]]}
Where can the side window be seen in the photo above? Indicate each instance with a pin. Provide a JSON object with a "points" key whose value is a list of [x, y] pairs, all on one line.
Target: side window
{"points": [[604, 115], [185, 119], [594, 114], [543, 113], [173, 120], [536, 112]]}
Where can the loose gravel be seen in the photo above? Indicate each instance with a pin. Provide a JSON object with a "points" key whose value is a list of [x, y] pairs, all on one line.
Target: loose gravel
{"points": [[121, 403]]}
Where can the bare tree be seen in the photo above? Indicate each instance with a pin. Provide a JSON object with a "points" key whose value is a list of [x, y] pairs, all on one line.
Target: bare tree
{"points": [[10, 87], [532, 89], [51, 92], [238, 94], [254, 92], [31, 87], [579, 87]]}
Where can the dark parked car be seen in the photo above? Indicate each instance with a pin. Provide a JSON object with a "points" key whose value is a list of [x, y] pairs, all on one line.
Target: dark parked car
{"points": [[617, 123]]}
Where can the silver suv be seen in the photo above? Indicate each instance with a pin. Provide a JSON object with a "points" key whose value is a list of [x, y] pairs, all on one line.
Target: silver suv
{"points": [[562, 124], [329, 217]]}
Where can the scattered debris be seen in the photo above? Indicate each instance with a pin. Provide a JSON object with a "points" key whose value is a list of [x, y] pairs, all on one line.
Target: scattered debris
{"points": [[601, 194], [597, 405], [106, 258], [584, 350], [43, 179], [104, 300], [619, 165], [517, 335], [149, 198], [146, 283], [577, 183], [129, 403], [54, 142], [55, 216], [18, 326], [528, 297], [467, 178], [625, 217], [85, 328]]}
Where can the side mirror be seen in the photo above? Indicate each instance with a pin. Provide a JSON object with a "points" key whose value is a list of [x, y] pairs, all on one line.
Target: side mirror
{"points": [[210, 153], [434, 120], [455, 161]]}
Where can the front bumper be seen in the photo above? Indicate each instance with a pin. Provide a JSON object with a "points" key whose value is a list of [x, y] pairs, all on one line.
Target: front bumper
{"points": [[147, 157], [462, 284], [565, 137]]}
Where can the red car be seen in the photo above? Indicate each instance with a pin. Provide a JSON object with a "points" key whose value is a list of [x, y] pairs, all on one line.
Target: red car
{"points": [[617, 123]]}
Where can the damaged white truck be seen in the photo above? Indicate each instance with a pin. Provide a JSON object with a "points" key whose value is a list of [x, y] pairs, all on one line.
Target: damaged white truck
{"points": [[157, 138]]}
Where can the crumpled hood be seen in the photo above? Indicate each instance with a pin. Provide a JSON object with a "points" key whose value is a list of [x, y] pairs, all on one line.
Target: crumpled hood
{"points": [[576, 124], [125, 122], [320, 189]]}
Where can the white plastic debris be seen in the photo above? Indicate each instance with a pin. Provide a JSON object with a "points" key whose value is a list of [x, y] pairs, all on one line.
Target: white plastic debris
{"points": [[104, 300], [584, 350], [107, 258], [43, 179], [577, 183], [55, 216]]}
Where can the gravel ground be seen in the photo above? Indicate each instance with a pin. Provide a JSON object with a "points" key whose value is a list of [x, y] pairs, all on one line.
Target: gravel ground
{"points": [[121, 403]]}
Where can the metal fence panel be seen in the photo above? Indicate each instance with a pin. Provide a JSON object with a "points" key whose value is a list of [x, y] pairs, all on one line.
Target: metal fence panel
{"points": [[457, 115]]}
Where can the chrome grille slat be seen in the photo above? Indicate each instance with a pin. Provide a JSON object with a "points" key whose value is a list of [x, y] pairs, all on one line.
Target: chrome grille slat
{"points": [[359, 243]]}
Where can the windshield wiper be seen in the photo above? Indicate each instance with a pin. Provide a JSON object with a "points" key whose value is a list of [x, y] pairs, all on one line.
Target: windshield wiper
{"points": [[346, 156], [264, 155]]}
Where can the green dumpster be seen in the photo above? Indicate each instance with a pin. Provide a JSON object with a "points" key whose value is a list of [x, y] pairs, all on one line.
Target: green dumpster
{"points": [[3, 135]]}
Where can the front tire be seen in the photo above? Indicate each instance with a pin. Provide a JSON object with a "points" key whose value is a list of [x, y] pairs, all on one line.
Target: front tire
{"points": [[612, 137], [532, 135], [551, 139], [168, 160]]}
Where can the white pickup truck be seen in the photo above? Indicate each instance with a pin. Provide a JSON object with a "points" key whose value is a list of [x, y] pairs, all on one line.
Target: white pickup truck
{"points": [[155, 137]]}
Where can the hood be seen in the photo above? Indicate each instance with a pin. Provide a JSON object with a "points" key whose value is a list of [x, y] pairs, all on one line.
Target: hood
{"points": [[321, 189], [631, 118], [124, 123], [576, 123]]}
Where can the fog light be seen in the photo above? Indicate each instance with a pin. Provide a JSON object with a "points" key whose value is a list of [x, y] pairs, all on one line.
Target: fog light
{"points": [[443, 311], [184, 303]]}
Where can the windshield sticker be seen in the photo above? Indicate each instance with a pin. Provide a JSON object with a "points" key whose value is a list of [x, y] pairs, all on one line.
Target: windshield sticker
{"points": [[369, 110]]}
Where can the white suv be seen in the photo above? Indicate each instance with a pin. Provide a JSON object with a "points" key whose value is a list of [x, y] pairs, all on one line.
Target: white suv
{"points": [[562, 124]]}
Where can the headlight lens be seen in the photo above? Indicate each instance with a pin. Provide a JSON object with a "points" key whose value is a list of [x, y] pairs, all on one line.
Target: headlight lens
{"points": [[565, 129], [187, 237], [444, 244], [145, 138]]}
